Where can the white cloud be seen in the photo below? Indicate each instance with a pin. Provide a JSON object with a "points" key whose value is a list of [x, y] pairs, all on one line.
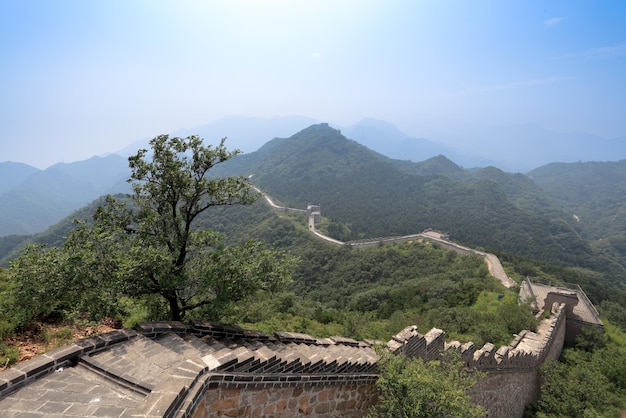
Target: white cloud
{"points": [[554, 21], [611, 51]]}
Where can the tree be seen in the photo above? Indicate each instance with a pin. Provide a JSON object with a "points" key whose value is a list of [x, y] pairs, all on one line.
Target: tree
{"points": [[153, 245], [410, 387]]}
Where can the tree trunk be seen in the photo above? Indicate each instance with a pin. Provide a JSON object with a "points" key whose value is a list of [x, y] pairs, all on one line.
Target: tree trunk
{"points": [[175, 312]]}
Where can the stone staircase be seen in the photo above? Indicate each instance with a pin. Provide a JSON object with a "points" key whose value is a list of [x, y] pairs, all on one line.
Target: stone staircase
{"points": [[159, 369]]}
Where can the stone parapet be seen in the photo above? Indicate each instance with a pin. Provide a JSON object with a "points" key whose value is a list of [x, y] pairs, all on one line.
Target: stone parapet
{"points": [[527, 349], [512, 379], [167, 369]]}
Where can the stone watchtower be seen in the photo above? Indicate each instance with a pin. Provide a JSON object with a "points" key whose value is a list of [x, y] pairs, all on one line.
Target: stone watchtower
{"points": [[315, 211], [580, 312]]}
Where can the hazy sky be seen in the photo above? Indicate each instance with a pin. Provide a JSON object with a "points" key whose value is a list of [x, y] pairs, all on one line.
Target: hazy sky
{"points": [[80, 78]]}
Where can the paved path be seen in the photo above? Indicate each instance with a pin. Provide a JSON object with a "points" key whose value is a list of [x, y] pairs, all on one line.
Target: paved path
{"points": [[158, 370], [493, 263]]}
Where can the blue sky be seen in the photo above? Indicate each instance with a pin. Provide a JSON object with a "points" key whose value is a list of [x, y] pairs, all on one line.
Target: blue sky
{"points": [[81, 78]]}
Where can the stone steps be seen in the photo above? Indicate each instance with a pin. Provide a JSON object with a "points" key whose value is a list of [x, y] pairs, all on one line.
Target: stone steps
{"points": [[161, 367], [140, 360]]}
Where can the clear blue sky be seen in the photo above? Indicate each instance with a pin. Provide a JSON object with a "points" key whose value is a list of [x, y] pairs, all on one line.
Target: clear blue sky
{"points": [[80, 78]]}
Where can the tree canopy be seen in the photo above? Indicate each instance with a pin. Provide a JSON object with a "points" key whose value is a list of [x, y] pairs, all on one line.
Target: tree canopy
{"points": [[410, 387], [151, 243]]}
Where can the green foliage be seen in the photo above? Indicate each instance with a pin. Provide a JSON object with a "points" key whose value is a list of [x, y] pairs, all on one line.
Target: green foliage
{"points": [[589, 379], [364, 195], [152, 247], [409, 387], [158, 249], [34, 287], [9, 243], [373, 293], [494, 318], [615, 312], [594, 192], [8, 354]]}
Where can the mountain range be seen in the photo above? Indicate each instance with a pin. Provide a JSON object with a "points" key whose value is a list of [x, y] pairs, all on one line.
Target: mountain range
{"points": [[569, 214], [519, 148], [33, 199]]}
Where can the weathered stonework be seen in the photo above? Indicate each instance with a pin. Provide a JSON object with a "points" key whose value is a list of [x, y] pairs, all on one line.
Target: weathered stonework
{"points": [[294, 400], [512, 372], [171, 369]]}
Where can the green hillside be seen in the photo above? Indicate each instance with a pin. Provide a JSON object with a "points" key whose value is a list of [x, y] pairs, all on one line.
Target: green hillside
{"points": [[374, 292], [47, 196], [366, 195], [594, 193], [370, 195]]}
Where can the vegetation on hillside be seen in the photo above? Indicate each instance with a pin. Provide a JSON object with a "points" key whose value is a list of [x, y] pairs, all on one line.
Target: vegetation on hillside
{"points": [[410, 387], [151, 251], [124, 262], [366, 195], [588, 381]]}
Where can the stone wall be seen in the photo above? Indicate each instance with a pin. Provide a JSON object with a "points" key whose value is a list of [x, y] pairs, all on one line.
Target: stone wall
{"points": [[512, 371], [206, 369], [295, 400], [506, 393]]}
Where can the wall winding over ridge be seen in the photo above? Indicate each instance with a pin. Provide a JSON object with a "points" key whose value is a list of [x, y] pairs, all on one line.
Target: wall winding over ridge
{"points": [[314, 214], [203, 369], [512, 372]]}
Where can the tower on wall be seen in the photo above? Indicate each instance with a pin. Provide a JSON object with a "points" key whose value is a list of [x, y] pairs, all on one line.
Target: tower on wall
{"points": [[580, 312], [315, 211]]}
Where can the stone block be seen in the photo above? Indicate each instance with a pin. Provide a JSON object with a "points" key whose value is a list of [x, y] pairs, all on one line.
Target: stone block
{"points": [[35, 366]]}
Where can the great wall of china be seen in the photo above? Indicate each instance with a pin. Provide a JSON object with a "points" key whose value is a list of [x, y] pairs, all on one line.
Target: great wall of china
{"points": [[172, 369]]}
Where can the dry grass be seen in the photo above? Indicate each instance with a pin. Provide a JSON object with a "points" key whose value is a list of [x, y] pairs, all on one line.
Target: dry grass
{"points": [[43, 337]]}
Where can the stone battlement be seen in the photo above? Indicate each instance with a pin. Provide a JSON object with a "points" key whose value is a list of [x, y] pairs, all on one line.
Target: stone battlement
{"points": [[199, 369], [172, 369], [527, 350], [512, 379]]}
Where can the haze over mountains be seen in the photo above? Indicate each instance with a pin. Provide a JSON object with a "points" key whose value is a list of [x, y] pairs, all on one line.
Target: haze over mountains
{"points": [[43, 197], [32, 199], [518, 148]]}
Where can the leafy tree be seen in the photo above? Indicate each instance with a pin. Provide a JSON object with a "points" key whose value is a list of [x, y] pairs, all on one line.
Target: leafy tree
{"points": [[576, 389], [152, 243], [588, 380], [167, 254], [410, 387]]}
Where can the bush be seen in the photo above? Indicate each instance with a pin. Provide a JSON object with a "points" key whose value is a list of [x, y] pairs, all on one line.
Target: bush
{"points": [[409, 387]]}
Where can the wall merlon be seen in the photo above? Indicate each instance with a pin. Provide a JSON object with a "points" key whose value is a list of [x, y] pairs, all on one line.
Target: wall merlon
{"points": [[435, 340], [204, 369], [485, 357], [502, 353], [406, 334], [394, 346]]}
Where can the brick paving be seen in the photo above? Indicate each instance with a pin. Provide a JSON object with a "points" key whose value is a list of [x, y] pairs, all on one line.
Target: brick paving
{"points": [[155, 370], [583, 310]]}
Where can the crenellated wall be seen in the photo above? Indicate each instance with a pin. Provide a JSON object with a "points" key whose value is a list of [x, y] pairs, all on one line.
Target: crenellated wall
{"points": [[512, 371], [172, 369]]}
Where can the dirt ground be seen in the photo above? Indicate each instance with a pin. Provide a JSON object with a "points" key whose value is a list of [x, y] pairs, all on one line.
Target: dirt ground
{"points": [[45, 337]]}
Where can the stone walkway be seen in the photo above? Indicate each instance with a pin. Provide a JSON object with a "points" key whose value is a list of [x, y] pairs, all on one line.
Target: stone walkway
{"points": [[156, 369]]}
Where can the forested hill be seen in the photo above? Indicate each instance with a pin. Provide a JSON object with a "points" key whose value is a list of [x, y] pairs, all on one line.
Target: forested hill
{"points": [[365, 195], [31, 200], [571, 214], [595, 193]]}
